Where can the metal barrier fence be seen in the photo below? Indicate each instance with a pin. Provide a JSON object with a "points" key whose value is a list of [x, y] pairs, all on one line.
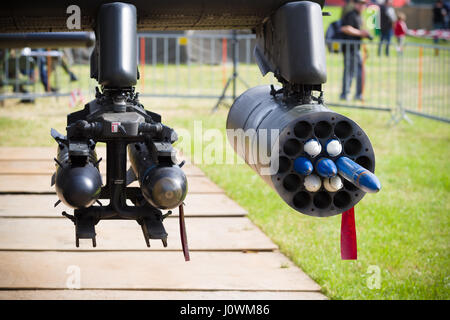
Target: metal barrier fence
{"points": [[403, 79], [414, 79], [425, 88]]}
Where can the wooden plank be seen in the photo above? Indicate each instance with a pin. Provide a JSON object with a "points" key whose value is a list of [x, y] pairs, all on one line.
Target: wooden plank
{"points": [[156, 295], [219, 234], [263, 271], [41, 184], [197, 204], [47, 167], [44, 153]]}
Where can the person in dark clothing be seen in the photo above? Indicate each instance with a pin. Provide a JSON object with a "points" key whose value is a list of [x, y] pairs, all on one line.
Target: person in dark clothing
{"points": [[387, 19], [351, 29], [446, 7], [439, 17], [439, 13]]}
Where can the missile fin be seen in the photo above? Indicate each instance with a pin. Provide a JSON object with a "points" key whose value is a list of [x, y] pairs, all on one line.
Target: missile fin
{"points": [[131, 176], [261, 61], [58, 136]]}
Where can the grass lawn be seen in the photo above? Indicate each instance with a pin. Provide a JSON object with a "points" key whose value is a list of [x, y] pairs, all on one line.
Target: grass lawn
{"points": [[403, 230]]}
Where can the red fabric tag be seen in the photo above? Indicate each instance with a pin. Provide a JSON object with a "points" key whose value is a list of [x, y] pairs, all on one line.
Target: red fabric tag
{"points": [[183, 235], [348, 235]]}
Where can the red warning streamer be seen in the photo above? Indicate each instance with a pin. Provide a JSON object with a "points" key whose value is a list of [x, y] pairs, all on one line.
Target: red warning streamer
{"points": [[142, 62], [348, 235], [224, 61], [183, 235]]}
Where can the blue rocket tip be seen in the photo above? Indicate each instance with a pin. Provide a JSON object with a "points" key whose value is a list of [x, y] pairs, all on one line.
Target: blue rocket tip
{"points": [[369, 182], [303, 166], [326, 168], [358, 175]]}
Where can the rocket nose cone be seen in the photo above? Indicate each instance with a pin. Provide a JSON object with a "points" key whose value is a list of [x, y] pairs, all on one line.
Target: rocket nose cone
{"points": [[326, 168], [312, 147], [168, 193], [303, 166], [80, 187], [369, 182], [167, 188], [312, 183], [334, 147]]}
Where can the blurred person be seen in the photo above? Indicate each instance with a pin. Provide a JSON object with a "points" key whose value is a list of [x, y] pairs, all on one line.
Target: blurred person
{"points": [[348, 6], [400, 30], [15, 64], [387, 19], [66, 61], [439, 17], [351, 29], [42, 63], [50, 61], [446, 6]]}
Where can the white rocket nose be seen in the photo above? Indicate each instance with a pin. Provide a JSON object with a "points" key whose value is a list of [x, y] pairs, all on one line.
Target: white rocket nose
{"points": [[312, 183], [334, 147], [333, 184], [312, 147]]}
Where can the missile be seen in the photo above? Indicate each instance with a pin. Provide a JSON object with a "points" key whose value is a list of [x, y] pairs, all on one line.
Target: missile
{"points": [[78, 187], [303, 166], [358, 175], [312, 147], [326, 168], [77, 180], [163, 185], [333, 147], [333, 184], [312, 183]]}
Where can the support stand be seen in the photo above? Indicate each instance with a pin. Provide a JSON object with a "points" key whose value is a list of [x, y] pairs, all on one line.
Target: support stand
{"points": [[232, 79], [399, 113]]}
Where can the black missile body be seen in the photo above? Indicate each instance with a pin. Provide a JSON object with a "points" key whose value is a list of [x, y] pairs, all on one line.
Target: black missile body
{"points": [[77, 179], [163, 184]]}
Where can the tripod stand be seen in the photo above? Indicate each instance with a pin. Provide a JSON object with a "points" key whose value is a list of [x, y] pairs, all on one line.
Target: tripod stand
{"points": [[232, 79]]}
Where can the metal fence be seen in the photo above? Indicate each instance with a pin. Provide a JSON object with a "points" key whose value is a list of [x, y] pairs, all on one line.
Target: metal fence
{"points": [[412, 79]]}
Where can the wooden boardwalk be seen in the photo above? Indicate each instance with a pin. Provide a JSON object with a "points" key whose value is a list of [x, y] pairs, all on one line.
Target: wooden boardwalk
{"points": [[230, 257]]}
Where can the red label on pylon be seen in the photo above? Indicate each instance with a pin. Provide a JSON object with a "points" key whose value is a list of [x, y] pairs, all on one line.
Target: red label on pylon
{"points": [[348, 235], [115, 127]]}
